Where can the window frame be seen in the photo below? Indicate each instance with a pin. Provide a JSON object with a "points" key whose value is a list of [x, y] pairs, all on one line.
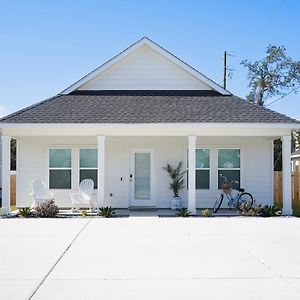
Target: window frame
{"points": [[62, 147], [87, 168], [229, 169], [201, 169]]}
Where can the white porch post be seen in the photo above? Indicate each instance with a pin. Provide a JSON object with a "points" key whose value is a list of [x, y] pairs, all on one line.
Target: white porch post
{"points": [[192, 175], [5, 173], [101, 171], [286, 175]]}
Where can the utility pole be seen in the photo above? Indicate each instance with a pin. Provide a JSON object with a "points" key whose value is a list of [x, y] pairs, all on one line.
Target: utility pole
{"points": [[225, 70]]}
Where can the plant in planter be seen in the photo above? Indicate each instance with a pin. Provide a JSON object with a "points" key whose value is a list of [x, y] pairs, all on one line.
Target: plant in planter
{"points": [[176, 175], [106, 212], [183, 212], [25, 212]]}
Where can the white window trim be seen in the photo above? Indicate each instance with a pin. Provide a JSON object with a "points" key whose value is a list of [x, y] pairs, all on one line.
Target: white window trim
{"points": [[74, 163], [230, 169], [207, 169], [63, 147], [85, 168]]}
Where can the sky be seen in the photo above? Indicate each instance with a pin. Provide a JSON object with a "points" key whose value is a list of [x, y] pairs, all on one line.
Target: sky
{"points": [[46, 46]]}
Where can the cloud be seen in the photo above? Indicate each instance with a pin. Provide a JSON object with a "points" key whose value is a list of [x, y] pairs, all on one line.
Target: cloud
{"points": [[3, 111]]}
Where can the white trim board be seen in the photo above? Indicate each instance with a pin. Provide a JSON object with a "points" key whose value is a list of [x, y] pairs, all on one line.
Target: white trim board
{"points": [[153, 125]]}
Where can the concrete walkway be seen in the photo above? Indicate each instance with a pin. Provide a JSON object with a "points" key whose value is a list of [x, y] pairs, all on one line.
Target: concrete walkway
{"points": [[150, 258]]}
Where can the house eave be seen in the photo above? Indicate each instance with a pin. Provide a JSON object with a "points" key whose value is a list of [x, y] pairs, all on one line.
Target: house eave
{"points": [[291, 126]]}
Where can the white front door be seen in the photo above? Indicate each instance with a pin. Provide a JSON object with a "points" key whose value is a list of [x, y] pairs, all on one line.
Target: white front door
{"points": [[141, 182]]}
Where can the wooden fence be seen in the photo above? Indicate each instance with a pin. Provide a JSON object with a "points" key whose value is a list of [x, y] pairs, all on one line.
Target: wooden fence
{"points": [[295, 187], [12, 189]]}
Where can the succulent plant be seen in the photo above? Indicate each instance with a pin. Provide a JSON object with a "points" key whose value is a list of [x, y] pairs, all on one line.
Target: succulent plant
{"points": [[106, 212]]}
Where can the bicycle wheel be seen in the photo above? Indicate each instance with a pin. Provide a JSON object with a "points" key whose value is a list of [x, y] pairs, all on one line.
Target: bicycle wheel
{"points": [[218, 203], [244, 198]]}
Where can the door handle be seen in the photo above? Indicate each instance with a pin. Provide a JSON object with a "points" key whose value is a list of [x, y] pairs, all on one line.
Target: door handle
{"points": [[130, 176]]}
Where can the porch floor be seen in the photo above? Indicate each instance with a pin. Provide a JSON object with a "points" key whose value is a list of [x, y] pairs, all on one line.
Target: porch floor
{"points": [[147, 212]]}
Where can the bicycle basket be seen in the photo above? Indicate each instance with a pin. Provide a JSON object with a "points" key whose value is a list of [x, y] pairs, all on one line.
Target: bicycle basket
{"points": [[227, 187]]}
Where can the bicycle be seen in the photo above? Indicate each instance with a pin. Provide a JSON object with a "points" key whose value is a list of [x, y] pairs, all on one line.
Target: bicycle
{"points": [[233, 202]]}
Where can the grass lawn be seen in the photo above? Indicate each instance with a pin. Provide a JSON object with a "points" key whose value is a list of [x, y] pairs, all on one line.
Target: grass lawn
{"points": [[296, 208]]}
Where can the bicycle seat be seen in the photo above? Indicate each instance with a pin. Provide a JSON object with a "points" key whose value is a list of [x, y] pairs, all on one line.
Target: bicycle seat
{"points": [[241, 190]]}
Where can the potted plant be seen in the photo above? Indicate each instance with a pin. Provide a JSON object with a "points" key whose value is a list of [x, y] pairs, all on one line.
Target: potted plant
{"points": [[177, 183]]}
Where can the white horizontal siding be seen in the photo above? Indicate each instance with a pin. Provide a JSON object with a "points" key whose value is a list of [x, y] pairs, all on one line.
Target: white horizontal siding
{"points": [[145, 70], [256, 166]]}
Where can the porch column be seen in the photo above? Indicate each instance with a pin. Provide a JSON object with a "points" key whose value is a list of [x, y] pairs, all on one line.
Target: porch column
{"points": [[192, 175], [5, 174], [286, 175], [101, 171]]}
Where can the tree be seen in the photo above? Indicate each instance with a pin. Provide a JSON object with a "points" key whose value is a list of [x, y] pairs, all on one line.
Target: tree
{"points": [[276, 74], [278, 149], [295, 140], [13, 154]]}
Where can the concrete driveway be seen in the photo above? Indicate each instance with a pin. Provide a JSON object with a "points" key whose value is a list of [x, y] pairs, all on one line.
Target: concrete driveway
{"points": [[150, 258]]}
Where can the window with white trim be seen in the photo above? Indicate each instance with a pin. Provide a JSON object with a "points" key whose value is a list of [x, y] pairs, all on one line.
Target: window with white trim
{"points": [[229, 167], [60, 168], [202, 169], [88, 165]]}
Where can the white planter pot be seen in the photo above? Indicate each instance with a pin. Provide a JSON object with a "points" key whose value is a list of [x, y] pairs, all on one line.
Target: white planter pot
{"points": [[176, 203]]}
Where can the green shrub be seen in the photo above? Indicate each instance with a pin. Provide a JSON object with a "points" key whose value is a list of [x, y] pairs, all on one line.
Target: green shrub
{"points": [[270, 211], [25, 212], [47, 209], [183, 212], [84, 213], [206, 212], [106, 212], [246, 209]]}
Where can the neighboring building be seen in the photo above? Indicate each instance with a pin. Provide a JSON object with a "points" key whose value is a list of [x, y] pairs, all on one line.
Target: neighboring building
{"points": [[295, 160], [123, 122]]}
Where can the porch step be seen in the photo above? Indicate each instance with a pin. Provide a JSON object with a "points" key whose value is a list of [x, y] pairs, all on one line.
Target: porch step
{"points": [[142, 208]]}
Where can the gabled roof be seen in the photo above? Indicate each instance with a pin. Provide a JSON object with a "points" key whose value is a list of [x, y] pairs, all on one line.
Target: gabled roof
{"points": [[158, 49], [146, 107]]}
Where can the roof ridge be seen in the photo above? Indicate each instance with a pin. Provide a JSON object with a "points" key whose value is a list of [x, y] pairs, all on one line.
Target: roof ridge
{"points": [[29, 107]]}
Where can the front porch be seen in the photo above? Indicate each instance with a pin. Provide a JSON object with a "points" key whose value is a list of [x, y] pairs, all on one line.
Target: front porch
{"points": [[155, 212], [116, 158]]}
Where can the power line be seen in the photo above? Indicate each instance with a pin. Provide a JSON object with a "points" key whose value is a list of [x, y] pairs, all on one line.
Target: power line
{"points": [[295, 89], [225, 68]]}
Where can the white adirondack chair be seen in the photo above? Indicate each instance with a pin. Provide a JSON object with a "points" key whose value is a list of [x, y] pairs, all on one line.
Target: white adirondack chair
{"points": [[84, 195], [40, 192]]}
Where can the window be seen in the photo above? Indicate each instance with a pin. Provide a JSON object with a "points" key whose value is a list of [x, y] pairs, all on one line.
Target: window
{"points": [[88, 164], [60, 168], [202, 169], [229, 167]]}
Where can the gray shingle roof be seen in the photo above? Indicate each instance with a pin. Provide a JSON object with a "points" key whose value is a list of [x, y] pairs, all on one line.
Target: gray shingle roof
{"points": [[145, 107]]}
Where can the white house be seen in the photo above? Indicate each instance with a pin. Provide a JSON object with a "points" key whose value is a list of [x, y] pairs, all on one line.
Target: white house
{"points": [[295, 160], [124, 121]]}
